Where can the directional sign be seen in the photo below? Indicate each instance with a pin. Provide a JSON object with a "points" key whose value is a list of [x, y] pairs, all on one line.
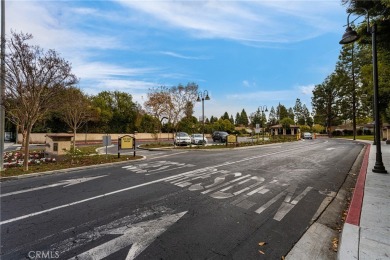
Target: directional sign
{"points": [[139, 236], [64, 183]]}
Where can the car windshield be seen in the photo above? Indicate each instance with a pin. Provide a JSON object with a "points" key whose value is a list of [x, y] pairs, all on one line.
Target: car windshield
{"points": [[181, 134], [197, 135], [224, 133]]}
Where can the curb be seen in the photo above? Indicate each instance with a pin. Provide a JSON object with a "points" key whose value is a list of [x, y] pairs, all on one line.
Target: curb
{"points": [[355, 208], [36, 174], [349, 240]]}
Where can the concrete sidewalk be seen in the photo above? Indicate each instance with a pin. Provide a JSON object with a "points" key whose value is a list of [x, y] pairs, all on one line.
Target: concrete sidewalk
{"points": [[366, 232]]}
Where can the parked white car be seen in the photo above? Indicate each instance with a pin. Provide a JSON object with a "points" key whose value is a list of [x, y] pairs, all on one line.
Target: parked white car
{"points": [[307, 135], [182, 138], [198, 139]]}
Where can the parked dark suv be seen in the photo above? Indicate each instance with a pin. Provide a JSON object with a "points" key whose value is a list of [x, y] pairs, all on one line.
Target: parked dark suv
{"points": [[219, 136]]}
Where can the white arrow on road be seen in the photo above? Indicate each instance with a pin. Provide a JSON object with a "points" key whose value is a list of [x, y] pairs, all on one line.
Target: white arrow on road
{"points": [[64, 183], [139, 236]]}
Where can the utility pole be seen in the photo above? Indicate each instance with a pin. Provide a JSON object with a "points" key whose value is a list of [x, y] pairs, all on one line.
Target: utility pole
{"points": [[2, 86]]}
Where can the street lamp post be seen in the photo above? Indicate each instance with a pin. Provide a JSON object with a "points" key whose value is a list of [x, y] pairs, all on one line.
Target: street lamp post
{"points": [[202, 96], [349, 37], [263, 109]]}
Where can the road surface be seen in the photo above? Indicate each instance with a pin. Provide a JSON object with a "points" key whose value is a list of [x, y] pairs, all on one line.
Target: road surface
{"points": [[229, 204]]}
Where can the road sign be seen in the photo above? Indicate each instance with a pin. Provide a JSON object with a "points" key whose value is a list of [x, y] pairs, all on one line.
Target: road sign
{"points": [[106, 140], [232, 139], [127, 142]]}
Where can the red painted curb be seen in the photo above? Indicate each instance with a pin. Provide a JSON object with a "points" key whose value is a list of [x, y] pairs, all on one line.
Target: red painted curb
{"points": [[353, 216]]}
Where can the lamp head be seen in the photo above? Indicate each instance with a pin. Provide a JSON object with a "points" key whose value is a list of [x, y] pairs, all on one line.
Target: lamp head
{"points": [[207, 97], [349, 36], [198, 99]]}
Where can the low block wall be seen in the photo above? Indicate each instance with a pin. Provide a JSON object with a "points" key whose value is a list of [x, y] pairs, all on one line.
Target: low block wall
{"points": [[40, 138]]}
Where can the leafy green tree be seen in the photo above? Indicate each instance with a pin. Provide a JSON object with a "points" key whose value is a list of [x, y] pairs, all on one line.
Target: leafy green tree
{"points": [[225, 116], [231, 119], [223, 125], [256, 118], [213, 119], [317, 128], [238, 119], [306, 116], [272, 117], [148, 124], [190, 125], [379, 12], [291, 113], [281, 112], [326, 101], [298, 112], [117, 112], [287, 122], [244, 118]]}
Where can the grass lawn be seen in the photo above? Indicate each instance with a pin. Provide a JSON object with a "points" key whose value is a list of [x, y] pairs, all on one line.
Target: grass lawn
{"points": [[358, 137], [85, 156]]}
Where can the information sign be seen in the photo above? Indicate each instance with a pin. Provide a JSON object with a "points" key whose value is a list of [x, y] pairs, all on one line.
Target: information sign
{"points": [[127, 142]]}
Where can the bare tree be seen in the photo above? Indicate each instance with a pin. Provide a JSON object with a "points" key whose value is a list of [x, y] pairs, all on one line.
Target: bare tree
{"points": [[171, 103], [33, 79], [76, 109], [159, 103], [181, 97]]}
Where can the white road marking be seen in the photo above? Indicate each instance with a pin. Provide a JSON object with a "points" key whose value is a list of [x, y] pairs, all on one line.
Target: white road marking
{"points": [[139, 236], [64, 183], [330, 149], [142, 185], [270, 202], [167, 155]]}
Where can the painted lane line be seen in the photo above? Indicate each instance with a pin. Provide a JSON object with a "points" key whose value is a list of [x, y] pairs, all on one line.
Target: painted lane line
{"points": [[168, 169], [64, 183], [167, 155], [138, 186], [80, 201]]}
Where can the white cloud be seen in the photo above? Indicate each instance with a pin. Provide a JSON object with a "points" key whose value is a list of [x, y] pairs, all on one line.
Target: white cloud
{"points": [[257, 21], [177, 55], [100, 70], [307, 90]]}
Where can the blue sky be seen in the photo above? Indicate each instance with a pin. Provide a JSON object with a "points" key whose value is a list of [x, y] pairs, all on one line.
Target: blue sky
{"points": [[246, 54]]}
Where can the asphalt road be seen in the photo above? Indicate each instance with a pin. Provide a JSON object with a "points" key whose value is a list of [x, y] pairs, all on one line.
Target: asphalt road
{"points": [[176, 204]]}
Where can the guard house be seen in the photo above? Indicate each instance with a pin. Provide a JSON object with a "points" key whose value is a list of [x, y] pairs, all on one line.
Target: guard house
{"points": [[279, 130], [56, 144]]}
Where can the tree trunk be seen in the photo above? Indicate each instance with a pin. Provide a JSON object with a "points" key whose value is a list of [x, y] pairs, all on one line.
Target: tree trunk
{"points": [[74, 139], [26, 142]]}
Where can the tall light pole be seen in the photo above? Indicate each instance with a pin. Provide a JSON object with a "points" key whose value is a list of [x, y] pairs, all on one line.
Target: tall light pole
{"points": [[2, 86], [202, 96], [353, 95], [263, 109], [350, 36]]}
